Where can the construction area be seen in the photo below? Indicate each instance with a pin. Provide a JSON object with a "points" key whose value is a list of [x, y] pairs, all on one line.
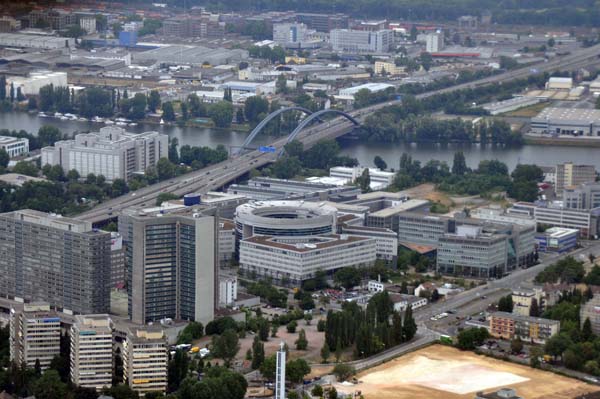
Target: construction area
{"points": [[442, 372]]}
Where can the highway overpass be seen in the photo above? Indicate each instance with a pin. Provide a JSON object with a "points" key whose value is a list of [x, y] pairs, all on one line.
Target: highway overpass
{"points": [[218, 175]]}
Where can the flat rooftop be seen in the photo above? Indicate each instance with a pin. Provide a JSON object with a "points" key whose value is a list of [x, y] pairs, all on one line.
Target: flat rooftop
{"points": [[404, 206], [306, 244], [566, 115]]}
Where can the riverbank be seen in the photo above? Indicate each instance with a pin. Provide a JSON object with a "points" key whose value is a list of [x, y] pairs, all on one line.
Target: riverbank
{"points": [[534, 139]]}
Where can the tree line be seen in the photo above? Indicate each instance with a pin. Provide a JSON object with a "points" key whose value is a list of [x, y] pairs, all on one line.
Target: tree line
{"points": [[490, 176], [368, 331]]}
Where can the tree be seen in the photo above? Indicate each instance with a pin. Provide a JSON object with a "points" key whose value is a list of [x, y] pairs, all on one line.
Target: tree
{"points": [[317, 391], [165, 169], [4, 158], [516, 346], [409, 326], [49, 386], [295, 370], [471, 338], [535, 354], [286, 167], [267, 369], [291, 326], [2, 88], [325, 353], [153, 100], [12, 92], [301, 342], [505, 304], [556, 345], [173, 153], [347, 277], [168, 111], [459, 166], [25, 168], [426, 60], [343, 371], [177, 369], [226, 346], [119, 187], [255, 107], [138, 106], [332, 393], [258, 353], [379, 163], [364, 181], [281, 85], [221, 114], [534, 310], [586, 330], [194, 330]]}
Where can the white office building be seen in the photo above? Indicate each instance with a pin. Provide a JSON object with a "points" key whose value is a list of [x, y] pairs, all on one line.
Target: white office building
{"points": [[88, 23], [434, 42], [30, 85], [294, 35], [299, 258], [14, 146], [361, 41], [92, 351], [34, 335], [379, 179], [555, 215], [112, 152], [386, 240], [227, 291]]}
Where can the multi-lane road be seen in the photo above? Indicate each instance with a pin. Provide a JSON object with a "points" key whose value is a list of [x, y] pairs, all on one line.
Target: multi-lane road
{"points": [[218, 175]]}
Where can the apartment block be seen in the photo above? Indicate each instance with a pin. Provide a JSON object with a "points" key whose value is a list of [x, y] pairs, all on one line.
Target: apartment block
{"points": [[112, 152], [171, 261], [569, 174], [34, 335], [299, 258], [92, 351], [145, 359], [533, 329], [54, 259], [388, 68], [361, 41]]}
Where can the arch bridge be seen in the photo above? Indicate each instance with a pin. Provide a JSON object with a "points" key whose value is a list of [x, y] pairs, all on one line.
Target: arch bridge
{"points": [[311, 116]]}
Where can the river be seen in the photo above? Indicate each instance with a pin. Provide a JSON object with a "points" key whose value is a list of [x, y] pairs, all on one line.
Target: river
{"points": [[364, 152]]}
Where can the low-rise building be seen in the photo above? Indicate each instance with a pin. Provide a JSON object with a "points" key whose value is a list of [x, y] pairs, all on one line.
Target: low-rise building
{"points": [[14, 146], [532, 329], [391, 217], [376, 286], [34, 335], [388, 68], [145, 359], [557, 121], [299, 258], [379, 179], [92, 351], [557, 239], [523, 300], [402, 301]]}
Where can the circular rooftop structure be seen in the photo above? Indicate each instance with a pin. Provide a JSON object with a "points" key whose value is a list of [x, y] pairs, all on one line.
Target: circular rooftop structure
{"points": [[285, 218]]}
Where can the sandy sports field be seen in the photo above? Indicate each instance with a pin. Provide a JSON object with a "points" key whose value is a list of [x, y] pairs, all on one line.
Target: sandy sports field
{"points": [[441, 372]]}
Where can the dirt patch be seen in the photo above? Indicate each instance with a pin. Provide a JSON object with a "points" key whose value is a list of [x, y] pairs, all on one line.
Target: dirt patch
{"points": [[440, 372]]}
